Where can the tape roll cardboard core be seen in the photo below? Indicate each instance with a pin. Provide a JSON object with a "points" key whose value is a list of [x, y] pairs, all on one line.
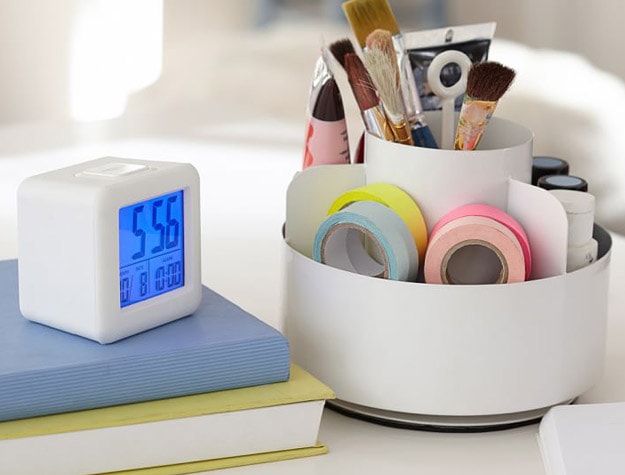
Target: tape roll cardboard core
{"points": [[346, 246], [367, 238], [461, 261]]}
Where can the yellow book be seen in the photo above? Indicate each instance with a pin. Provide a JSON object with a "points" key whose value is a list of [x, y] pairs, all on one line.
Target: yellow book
{"points": [[170, 436]]}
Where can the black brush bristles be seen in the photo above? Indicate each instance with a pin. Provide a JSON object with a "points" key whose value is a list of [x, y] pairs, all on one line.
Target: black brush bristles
{"points": [[488, 81], [340, 48], [364, 91]]}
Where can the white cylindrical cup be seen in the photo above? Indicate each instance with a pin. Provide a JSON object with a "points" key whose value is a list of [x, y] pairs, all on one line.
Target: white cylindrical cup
{"points": [[441, 180]]}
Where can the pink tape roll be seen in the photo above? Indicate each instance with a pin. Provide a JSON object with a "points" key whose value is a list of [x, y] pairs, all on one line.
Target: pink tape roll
{"points": [[496, 214], [474, 250]]}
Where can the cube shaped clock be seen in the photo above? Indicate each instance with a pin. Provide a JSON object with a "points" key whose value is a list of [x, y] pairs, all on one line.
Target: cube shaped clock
{"points": [[110, 247]]}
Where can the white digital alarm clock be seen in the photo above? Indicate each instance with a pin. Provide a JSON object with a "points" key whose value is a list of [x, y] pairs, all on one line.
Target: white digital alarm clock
{"points": [[110, 247]]}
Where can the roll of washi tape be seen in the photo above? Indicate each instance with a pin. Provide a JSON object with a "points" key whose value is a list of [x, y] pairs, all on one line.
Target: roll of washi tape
{"points": [[340, 242], [474, 250], [396, 199], [492, 212]]}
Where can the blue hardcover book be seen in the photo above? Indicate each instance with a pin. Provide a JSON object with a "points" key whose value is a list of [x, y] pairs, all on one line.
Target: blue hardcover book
{"points": [[47, 371]]}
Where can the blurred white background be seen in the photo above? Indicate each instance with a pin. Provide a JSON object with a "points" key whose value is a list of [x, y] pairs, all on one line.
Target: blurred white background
{"points": [[83, 58], [178, 62]]}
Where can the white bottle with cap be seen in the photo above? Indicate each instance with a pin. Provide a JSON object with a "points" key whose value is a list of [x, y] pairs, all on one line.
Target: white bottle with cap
{"points": [[580, 212]]}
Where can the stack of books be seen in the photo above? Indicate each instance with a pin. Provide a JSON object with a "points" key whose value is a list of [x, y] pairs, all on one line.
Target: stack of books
{"points": [[212, 390]]}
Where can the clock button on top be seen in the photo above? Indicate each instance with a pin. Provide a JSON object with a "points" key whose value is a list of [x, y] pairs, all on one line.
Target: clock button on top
{"points": [[113, 170]]}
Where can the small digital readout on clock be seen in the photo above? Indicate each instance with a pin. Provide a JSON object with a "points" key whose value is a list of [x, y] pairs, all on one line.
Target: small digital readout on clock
{"points": [[151, 248]]}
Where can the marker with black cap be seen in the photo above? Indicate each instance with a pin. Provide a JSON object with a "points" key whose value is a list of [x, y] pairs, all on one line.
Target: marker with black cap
{"points": [[562, 182], [547, 165]]}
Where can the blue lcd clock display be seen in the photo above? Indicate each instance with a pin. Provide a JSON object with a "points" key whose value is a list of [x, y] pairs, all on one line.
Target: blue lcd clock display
{"points": [[151, 248]]}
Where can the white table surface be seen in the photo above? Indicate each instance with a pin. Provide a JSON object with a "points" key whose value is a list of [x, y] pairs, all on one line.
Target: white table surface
{"points": [[245, 169]]}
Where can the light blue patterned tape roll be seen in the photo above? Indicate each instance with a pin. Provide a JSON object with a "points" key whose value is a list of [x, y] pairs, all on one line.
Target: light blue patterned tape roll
{"points": [[389, 250]]}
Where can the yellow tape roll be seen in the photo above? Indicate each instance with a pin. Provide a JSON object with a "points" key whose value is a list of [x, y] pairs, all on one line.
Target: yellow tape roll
{"points": [[394, 198]]}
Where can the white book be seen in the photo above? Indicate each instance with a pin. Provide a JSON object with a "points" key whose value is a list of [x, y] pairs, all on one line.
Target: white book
{"points": [[584, 439], [178, 435]]}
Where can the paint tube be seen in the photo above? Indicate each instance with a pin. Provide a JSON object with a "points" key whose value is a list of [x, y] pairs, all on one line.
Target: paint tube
{"points": [[423, 46]]}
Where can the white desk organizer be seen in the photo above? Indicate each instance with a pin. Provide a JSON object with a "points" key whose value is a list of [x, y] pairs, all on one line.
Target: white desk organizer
{"points": [[446, 357]]}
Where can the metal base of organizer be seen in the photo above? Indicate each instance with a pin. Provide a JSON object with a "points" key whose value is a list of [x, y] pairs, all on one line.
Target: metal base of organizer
{"points": [[433, 423]]}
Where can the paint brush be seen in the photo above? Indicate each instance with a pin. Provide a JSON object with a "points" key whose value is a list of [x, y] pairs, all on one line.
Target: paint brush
{"points": [[381, 40], [381, 60], [340, 48], [486, 83], [367, 98], [383, 74], [365, 16]]}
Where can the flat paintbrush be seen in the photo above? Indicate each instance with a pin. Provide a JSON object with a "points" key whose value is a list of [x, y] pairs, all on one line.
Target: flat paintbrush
{"points": [[367, 98], [365, 16], [340, 48], [486, 83]]}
